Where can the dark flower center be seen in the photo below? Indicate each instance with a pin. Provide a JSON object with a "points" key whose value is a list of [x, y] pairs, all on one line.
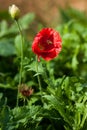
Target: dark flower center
{"points": [[46, 44]]}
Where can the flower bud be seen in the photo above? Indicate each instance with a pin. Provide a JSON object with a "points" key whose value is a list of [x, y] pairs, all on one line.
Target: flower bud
{"points": [[25, 90], [14, 12]]}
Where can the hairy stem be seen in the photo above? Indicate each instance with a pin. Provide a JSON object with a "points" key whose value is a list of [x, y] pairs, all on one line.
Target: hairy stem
{"points": [[38, 77], [21, 62]]}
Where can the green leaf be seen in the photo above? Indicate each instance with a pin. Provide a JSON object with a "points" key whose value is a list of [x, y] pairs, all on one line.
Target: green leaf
{"points": [[3, 27], [6, 48], [5, 31], [5, 118], [32, 67], [18, 44], [59, 106], [26, 20]]}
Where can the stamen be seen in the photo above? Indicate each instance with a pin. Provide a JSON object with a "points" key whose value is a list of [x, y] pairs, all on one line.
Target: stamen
{"points": [[49, 42]]}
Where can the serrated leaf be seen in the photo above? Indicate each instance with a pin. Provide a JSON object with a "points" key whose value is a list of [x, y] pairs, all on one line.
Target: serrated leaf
{"points": [[59, 106], [32, 67]]}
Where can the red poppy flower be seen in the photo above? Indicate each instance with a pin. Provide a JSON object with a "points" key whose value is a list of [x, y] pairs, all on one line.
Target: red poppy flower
{"points": [[47, 44]]}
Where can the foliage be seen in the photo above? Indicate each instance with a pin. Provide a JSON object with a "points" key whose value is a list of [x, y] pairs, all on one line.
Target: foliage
{"points": [[69, 98], [62, 101], [72, 13], [74, 45]]}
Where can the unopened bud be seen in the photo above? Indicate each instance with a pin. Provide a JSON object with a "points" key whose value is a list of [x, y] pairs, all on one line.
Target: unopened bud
{"points": [[14, 12]]}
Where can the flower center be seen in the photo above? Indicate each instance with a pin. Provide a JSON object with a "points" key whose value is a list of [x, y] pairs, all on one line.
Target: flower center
{"points": [[49, 42], [45, 45]]}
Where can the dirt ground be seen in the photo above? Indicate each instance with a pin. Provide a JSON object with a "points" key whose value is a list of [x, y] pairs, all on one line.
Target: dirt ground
{"points": [[46, 10]]}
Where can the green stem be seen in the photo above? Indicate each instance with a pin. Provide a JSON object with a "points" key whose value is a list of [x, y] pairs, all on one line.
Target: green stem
{"points": [[21, 63], [85, 112], [38, 77]]}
